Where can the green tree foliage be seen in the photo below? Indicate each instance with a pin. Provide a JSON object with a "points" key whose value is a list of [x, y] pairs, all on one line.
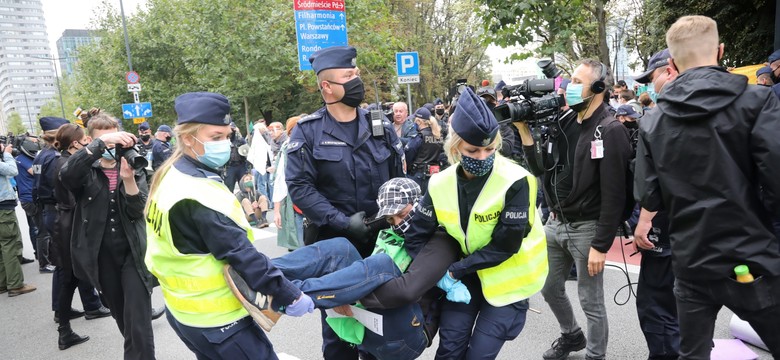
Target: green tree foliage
{"points": [[567, 30], [746, 27], [246, 49], [15, 124]]}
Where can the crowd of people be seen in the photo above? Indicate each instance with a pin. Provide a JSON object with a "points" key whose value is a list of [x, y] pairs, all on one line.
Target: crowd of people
{"points": [[432, 220]]}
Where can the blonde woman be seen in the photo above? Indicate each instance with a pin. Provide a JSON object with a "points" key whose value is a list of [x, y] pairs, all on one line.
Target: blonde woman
{"points": [[486, 202], [195, 226], [424, 150]]}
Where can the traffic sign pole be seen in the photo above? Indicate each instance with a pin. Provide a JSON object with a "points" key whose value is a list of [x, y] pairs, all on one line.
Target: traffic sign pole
{"points": [[409, 96]]}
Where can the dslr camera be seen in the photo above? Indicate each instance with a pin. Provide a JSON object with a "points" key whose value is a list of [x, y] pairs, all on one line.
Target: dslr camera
{"points": [[534, 100], [134, 156]]}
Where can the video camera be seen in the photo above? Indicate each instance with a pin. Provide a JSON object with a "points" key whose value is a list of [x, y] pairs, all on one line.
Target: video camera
{"points": [[533, 101], [22, 143]]}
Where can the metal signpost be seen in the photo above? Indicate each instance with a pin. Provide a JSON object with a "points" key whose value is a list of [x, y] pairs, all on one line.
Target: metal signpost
{"points": [[318, 24], [408, 67], [137, 111]]}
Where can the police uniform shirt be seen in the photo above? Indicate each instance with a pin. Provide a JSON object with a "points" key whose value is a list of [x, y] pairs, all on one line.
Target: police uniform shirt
{"points": [[196, 229], [507, 234], [24, 181], [332, 175], [161, 151], [43, 191]]}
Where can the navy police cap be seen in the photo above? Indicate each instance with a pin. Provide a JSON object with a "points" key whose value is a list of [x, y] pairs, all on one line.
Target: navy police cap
{"points": [[658, 60], [763, 70], [51, 122], [474, 122], [202, 108], [334, 57], [144, 126], [774, 56]]}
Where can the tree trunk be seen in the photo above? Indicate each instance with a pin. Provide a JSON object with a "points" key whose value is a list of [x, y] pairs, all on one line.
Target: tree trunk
{"points": [[601, 19]]}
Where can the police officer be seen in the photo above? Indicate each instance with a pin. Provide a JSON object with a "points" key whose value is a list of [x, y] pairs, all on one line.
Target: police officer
{"points": [[655, 303], [424, 150], [487, 203], [161, 150], [336, 165], [195, 227], [43, 192], [146, 142]]}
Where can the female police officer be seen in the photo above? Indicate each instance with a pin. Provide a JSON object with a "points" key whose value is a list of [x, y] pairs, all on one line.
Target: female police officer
{"points": [[195, 226], [486, 203]]}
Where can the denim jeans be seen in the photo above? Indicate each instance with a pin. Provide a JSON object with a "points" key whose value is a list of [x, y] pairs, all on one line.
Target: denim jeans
{"points": [[698, 304], [569, 244], [332, 273]]}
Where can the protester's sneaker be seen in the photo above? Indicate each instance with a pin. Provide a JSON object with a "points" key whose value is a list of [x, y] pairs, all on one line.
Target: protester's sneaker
{"points": [[23, 260], [47, 269], [257, 304], [22, 290], [3, 290], [565, 344]]}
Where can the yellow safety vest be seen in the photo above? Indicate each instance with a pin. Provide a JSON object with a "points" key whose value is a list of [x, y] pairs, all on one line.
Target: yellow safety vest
{"points": [[523, 274], [193, 286]]}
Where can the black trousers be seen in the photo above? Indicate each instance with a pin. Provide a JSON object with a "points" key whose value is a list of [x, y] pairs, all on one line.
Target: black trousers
{"points": [[657, 308], [130, 302], [698, 303]]}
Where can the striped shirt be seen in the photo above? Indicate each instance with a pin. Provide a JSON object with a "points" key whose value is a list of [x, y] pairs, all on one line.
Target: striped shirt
{"points": [[113, 178]]}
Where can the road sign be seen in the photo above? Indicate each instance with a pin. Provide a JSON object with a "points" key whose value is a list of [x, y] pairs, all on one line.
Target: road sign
{"points": [[130, 111], [318, 24], [132, 77], [138, 121], [408, 67], [133, 87]]}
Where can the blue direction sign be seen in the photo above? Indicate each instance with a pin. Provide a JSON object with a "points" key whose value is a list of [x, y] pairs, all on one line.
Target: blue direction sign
{"points": [[318, 24], [137, 110]]}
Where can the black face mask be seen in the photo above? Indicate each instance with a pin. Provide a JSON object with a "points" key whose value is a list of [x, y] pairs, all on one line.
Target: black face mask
{"points": [[631, 124], [440, 112], [167, 138], [353, 92], [145, 137], [775, 78]]}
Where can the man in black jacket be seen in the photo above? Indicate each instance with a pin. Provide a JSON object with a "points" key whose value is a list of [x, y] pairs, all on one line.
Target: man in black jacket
{"points": [[709, 156], [585, 167]]}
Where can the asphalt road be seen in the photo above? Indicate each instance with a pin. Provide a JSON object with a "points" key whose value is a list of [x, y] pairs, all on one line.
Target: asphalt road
{"points": [[27, 330]]}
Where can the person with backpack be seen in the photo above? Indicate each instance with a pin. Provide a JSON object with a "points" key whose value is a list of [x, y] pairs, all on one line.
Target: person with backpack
{"points": [[586, 180]]}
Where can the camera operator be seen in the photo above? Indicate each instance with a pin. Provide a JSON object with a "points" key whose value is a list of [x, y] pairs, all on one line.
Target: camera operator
{"points": [[108, 240], [585, 167]]}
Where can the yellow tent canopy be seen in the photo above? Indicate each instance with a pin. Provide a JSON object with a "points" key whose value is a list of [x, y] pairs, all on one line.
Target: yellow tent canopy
{"points": [[749, 71]]}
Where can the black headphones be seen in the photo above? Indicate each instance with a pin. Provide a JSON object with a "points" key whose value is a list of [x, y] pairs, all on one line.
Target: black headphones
{"points": [[598, 86]]}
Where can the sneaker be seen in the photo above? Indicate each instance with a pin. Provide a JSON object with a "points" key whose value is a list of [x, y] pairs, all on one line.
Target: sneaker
{"points": [[22, 290], [157, 313], [3, 290], [98, 313], [565, 344], [262, 224], [257, 304], [47, 269], [23, 260]]}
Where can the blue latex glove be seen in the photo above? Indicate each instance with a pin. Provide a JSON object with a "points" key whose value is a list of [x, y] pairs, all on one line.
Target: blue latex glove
{"points": [[447, 282], [300, 307], [459, 293], [456, 291]]}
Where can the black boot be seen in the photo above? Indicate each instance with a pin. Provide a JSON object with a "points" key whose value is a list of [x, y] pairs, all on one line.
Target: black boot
{"points": [[68, 338]]}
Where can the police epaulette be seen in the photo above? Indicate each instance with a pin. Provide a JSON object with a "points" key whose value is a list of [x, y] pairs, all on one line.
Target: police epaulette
{"points": [[313, 116]]}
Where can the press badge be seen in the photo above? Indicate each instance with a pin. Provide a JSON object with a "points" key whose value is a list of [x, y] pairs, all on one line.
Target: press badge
{"points": [[597, 149], [597, 146]]}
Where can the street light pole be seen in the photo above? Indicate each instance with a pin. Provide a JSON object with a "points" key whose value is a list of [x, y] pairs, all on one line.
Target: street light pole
{"points": [[27, 106], [59, 88], [127, 39]]}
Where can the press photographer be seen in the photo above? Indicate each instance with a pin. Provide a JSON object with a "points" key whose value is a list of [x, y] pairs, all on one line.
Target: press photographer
{"points": [[585, 166]]}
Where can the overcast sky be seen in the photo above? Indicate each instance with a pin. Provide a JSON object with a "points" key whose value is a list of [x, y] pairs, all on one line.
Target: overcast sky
{"points": [[75, 14]]}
